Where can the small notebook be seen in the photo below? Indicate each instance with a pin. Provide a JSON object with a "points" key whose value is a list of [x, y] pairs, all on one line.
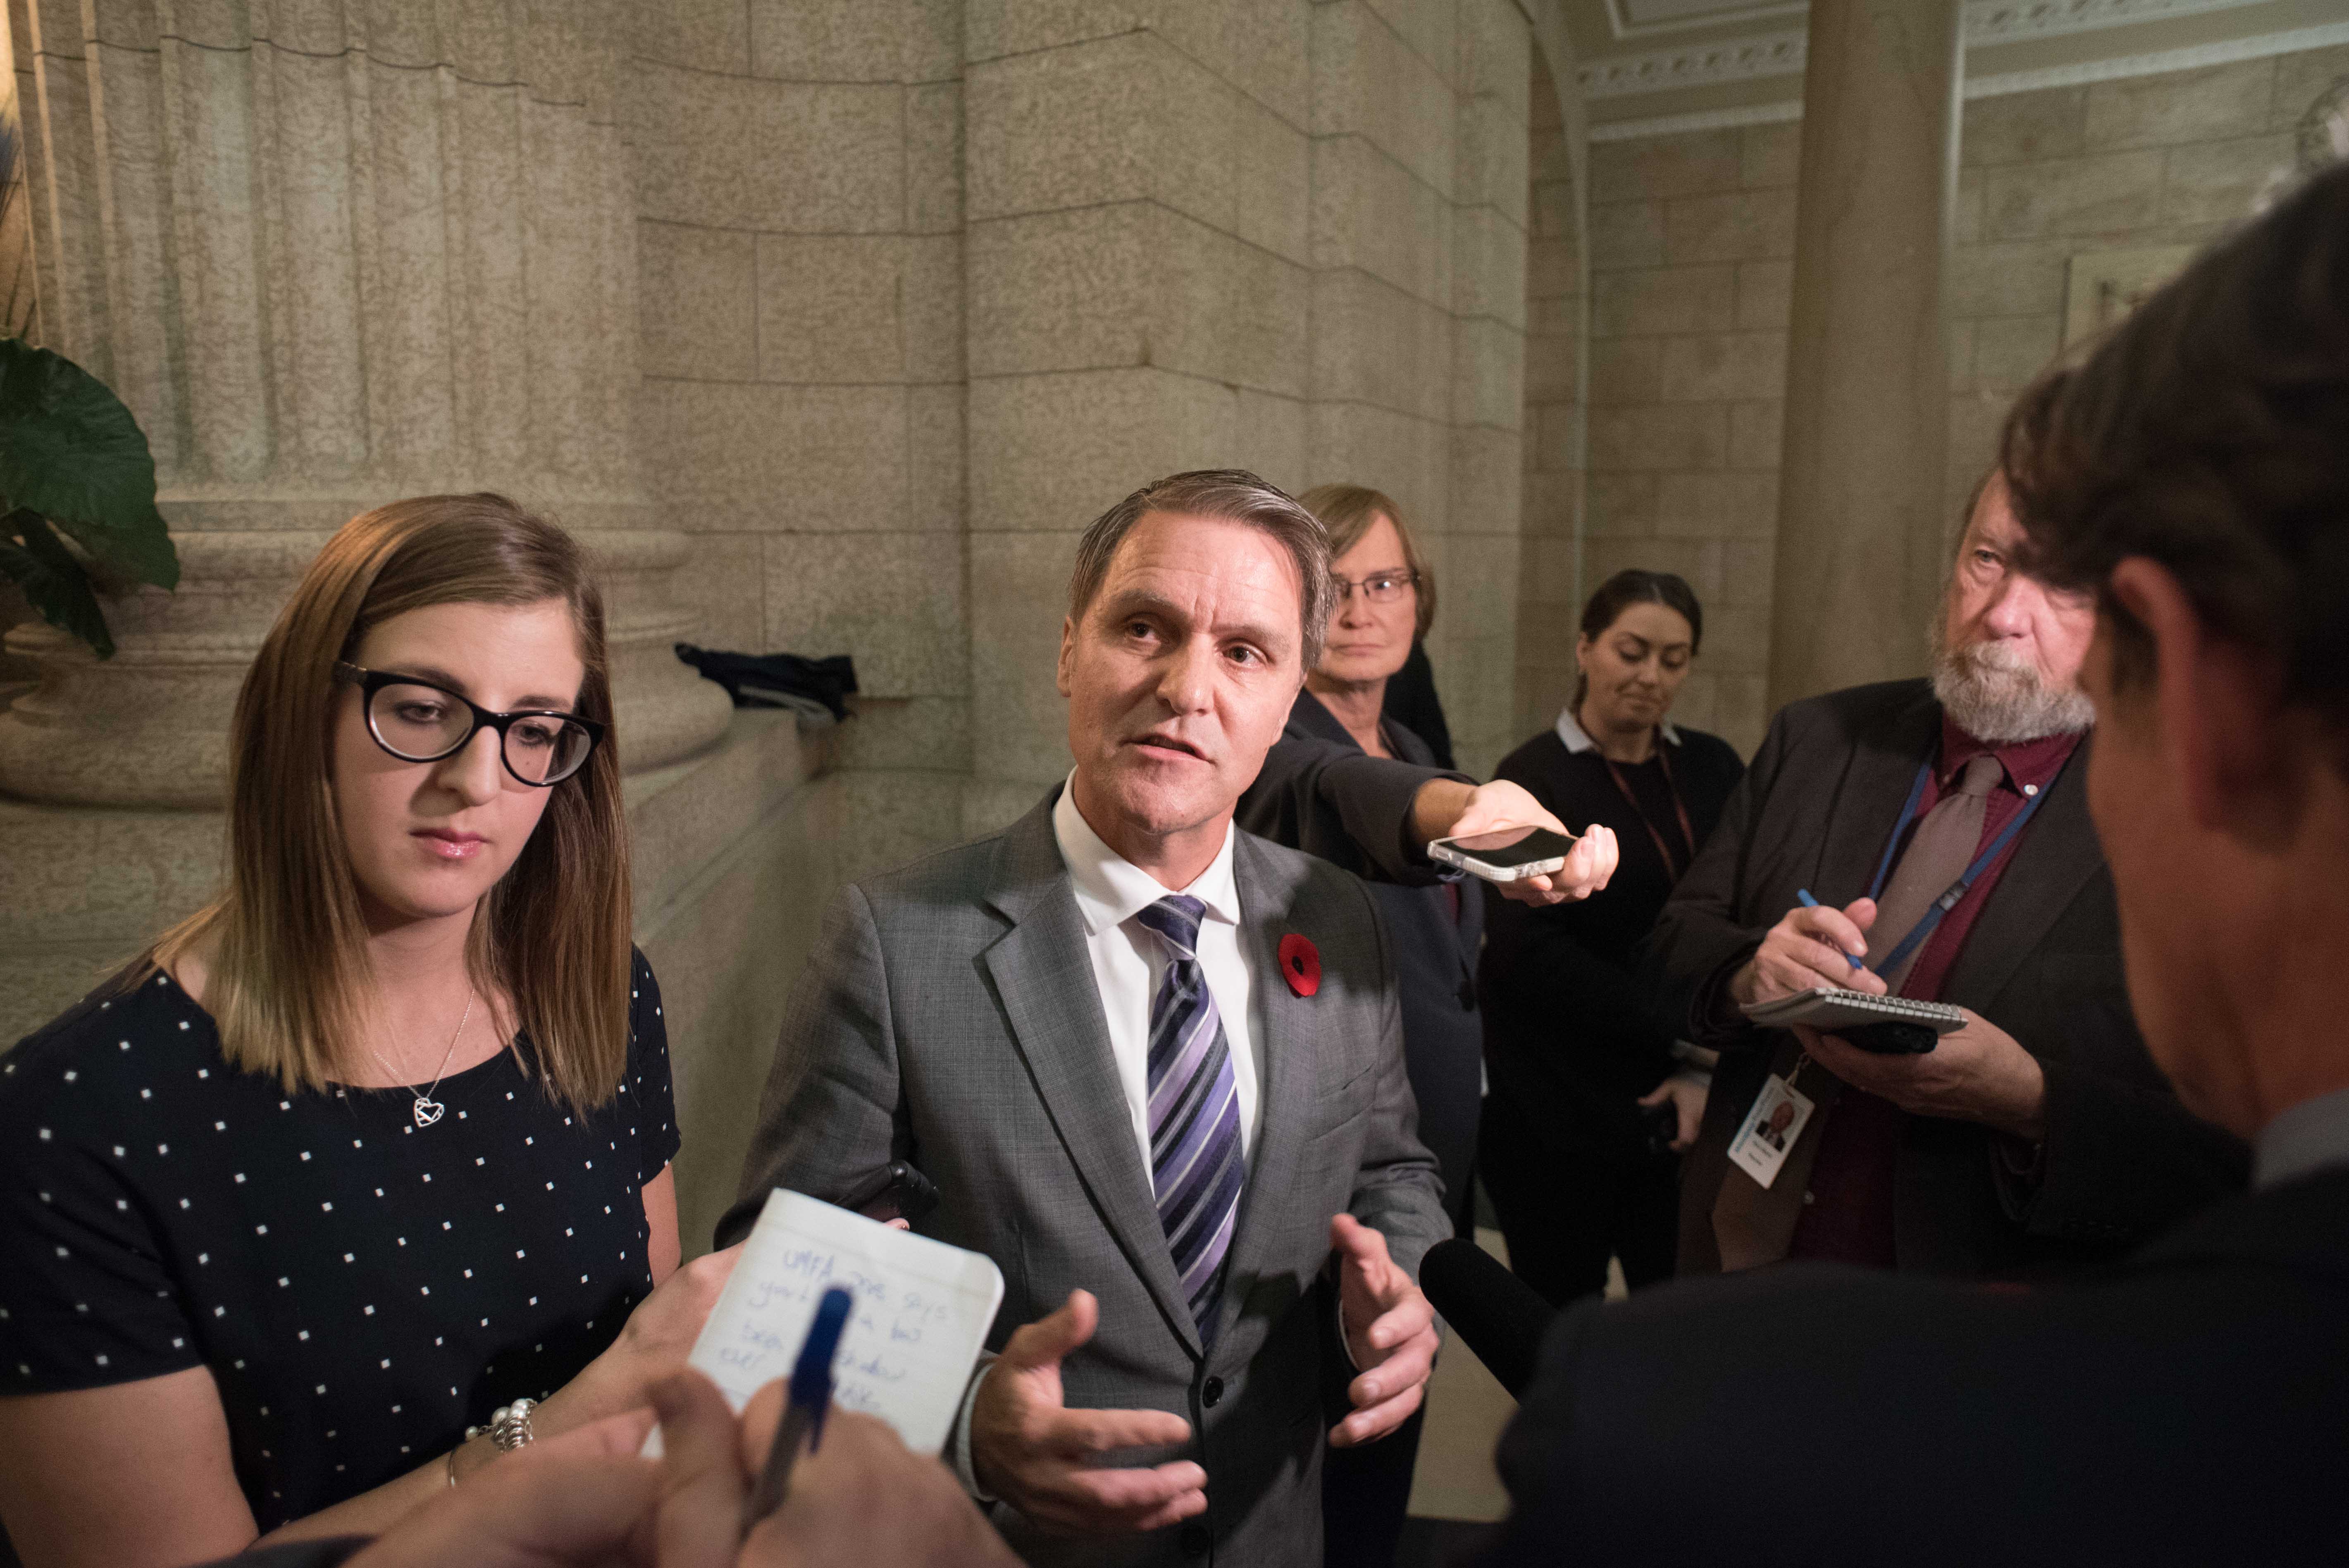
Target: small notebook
{"points": [[923, 1309], [1829, 1010]]}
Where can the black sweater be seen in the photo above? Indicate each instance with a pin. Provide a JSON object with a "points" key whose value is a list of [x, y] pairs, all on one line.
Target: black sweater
{"points": [[1568, 1027]]}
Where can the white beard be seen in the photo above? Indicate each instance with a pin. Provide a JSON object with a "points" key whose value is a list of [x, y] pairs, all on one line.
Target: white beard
{"points": [[1994, 694]]}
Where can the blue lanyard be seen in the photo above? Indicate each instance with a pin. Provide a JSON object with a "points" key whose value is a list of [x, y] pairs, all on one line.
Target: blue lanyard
{"points": [[1957, 890]]}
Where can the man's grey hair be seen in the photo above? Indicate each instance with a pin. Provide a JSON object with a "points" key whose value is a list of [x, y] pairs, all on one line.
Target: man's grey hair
{"points": [[1236, 496], [1992, 695]]}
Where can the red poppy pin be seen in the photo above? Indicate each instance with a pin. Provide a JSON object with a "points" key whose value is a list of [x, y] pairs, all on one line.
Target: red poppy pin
{"points": [[1300, 963]]}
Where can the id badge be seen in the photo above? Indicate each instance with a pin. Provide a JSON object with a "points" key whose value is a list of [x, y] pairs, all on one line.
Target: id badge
{"points": [[1770, 1129]]}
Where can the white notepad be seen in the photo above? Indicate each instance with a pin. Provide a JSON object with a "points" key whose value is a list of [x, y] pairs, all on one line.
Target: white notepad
{"points": [[922, 1314]]}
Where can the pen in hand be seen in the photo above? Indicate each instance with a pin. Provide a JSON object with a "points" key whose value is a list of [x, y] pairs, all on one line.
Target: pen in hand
{"points": [[1809, 902], [803, 1417]]}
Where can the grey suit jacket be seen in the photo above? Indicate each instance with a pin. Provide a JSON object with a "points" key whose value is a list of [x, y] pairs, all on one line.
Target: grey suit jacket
{"points": [[948, 1017]]}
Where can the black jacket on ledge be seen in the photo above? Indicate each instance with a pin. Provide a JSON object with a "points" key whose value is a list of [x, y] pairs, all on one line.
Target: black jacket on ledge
{"points": [[2186, 1408], [2122, 1160]]}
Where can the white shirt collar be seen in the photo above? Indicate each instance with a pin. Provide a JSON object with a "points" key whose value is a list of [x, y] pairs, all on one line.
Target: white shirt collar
{"points": [[1112, 889], [1576, 742]]}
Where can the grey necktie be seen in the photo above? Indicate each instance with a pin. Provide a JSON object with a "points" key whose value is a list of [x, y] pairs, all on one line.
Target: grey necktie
{"points": [[1196, 1165], [1942, 847]]}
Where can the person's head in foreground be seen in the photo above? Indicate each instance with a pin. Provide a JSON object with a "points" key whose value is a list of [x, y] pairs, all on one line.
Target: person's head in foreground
{"points": [[2191, 480]]}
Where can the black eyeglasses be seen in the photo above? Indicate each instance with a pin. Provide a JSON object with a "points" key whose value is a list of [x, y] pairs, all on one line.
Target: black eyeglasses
{"points": [[418, 721], [1381, 588]]}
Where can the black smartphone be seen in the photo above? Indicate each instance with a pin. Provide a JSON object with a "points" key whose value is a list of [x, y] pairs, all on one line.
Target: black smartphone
{"points": [[1892, 1038], [1507, 854], [1663, 1124], [896, 1191]]}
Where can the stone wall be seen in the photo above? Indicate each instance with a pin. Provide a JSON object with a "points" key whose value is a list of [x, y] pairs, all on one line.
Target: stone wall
{"points": [[798, 223], [1549, 583], [1691, 246], [1692, 241], [1287, 236], [2158, 160]]}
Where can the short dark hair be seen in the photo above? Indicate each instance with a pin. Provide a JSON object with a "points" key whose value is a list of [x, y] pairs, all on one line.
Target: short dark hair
{"points": [[2209, 433], [1236, 496], [1633, 586]]}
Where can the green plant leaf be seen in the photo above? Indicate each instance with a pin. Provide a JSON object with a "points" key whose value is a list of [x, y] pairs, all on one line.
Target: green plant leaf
{"points": [[37, 561], [71, 451]]}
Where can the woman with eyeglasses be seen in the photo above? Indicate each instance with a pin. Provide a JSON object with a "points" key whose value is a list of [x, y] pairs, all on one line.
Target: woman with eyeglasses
{"points": [[1348, 783], [374, 1150]]}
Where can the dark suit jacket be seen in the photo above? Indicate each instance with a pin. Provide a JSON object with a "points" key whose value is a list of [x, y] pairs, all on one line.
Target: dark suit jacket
{"points": [[2122, 1160], [1411, 702], [2192, 1407], [1318, 788], [948, 1018]]}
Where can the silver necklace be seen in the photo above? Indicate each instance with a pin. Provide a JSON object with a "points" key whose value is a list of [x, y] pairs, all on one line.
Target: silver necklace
{"points": [[428, 1110]]}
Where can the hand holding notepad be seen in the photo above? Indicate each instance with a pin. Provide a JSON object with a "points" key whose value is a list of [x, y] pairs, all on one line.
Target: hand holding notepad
{"points": [[921, 1316]]}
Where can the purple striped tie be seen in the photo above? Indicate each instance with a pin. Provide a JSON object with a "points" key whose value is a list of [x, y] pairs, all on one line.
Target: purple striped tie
{"points": [[1194, 1114]]}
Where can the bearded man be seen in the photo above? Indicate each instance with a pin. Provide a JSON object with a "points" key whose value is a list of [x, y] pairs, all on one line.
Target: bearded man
{"points": [[1943, 827]]}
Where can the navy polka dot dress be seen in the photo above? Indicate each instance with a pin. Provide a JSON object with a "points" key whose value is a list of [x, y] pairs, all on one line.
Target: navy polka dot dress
{"points": [[362, 1289]]}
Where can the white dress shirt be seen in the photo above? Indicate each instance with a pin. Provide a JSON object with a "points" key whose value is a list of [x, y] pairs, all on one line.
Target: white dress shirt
{"points": [[1129, 960], [1570, 730]]}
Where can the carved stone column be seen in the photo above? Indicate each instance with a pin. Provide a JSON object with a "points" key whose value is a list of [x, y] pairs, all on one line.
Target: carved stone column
{"points": [[1860, 498], [332, 253]]}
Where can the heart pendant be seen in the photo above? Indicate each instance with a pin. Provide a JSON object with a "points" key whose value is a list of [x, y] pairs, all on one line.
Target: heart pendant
{"points": [[427, 1111]]}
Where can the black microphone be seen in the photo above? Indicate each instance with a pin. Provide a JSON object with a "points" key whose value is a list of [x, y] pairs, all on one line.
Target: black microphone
{"points": [[1496, 1314]]}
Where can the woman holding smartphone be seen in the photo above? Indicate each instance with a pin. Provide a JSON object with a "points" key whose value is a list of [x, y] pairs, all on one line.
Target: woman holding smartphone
{"points": [[373, 1152]]}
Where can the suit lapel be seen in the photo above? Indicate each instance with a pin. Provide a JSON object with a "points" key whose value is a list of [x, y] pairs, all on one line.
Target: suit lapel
{"points": [[1044, 982], [2056, 856], [1286, 1029], [1877, 778]]}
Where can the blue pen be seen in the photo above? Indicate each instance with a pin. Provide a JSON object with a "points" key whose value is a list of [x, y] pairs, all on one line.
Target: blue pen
{"points": [[1809, 902], [811, 1396]]}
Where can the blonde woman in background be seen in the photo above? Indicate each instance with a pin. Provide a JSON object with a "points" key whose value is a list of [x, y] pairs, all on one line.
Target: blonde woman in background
{"points": [[375, 1149]]}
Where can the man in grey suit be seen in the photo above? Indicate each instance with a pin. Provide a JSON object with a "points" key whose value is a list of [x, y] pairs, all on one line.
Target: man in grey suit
{"points": [[1178, 1120]]}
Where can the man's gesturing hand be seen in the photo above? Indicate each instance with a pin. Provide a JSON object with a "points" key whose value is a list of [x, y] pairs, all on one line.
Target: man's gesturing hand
{"points": [[1810, 947], [1030, 1450], [1389, 1331]]}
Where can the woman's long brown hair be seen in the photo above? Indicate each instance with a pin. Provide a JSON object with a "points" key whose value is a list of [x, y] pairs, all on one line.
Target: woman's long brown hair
{"points": [[289, 967]]}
